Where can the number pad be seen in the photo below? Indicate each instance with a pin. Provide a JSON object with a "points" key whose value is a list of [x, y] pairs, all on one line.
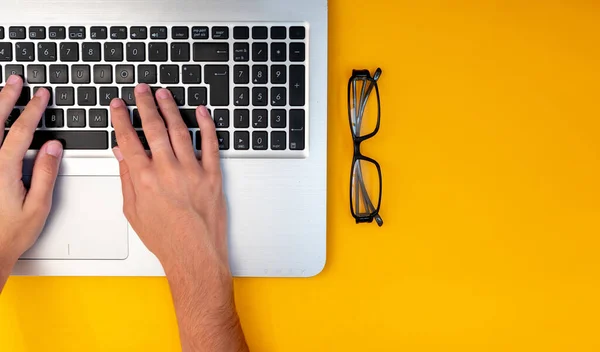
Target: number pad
{"points": [[278, 118], [241, 74], [259, 118], [259, 96], [240, 96], [278, 74], [259, 74], [278, 95]]}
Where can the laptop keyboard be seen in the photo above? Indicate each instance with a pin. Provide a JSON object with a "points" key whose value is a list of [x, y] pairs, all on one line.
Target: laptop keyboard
{"points": [[252, 77]]}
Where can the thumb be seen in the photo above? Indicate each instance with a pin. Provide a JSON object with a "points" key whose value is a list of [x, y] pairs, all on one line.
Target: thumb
{"points": [[44, 175]]}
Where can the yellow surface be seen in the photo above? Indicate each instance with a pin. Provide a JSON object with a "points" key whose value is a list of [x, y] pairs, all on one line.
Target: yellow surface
{"points": [[490, 147]]}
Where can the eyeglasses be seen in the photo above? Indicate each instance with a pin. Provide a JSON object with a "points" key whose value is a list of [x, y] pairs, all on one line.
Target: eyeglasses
{"points": [[365, 177]]}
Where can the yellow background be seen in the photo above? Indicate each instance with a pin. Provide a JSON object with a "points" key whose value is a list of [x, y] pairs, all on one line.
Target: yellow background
{"points": [[490, 148]]}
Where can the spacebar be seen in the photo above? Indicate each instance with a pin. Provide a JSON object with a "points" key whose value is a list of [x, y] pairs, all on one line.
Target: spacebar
{"points": [[72, 139]]}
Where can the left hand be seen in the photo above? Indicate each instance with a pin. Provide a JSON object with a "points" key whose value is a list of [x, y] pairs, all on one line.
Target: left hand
{"points": [[23, 212]]}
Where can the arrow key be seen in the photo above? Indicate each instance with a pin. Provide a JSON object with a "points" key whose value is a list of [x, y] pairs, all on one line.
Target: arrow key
{"points": [[241, 140]]}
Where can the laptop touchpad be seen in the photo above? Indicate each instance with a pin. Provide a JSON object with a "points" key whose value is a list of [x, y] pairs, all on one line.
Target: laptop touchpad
{"points": [[86, 221]]}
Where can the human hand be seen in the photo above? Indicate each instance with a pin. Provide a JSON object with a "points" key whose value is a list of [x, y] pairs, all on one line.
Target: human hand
{"points": [[23, 212]]}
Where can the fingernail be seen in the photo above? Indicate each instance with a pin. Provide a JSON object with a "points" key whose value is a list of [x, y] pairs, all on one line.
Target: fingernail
{"points": [[54, 148], [117, 153], [163, 94], [116, 103], [203, 111], [142, 88], [40, 92], [14, 79]]}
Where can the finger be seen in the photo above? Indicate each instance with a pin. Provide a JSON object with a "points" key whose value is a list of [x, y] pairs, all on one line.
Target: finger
{"points": [[43, 179], [154, 126], [126, 183], [8, 98], [178, 131], [20, 135], [210, 144], [127, 137]]}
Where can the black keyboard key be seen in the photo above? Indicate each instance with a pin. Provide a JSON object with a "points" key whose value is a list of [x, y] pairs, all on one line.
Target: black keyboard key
{"points": [[278, 74], [241, 74], [99, 33], [125, 74], [178, 94], [69, 52], [80, 74], [18, 70], [36, 74], [241, 140], [59, 74], [260, 32], [222, 139], [139, 33], [169, 74], [297, 52], [102, 74], [278, 96], [86, 96], [147, 74], [260, 74], [278, 140], [91, 52], [76, 118], [278, 118], [137, 119], [89, 140], [297, 32], [54, 118], [157, 52], [241, 52], [158, 32], [128, 95], [241, 32], [297, 131], [5, 51], [241, 96], [278, 52], [197, 96], [211, 52], [118, 32], [140, 134], [191, 74], [260, 96], [217, 76], [189, 117], [47, 52], [24, 51], [136, 52], [77, 33], [113, 52], [16, 32], [220, 32], [241, 118], [1, 32], [180, 33], [199, 32], [260, 52], [221, 118], [297, 85], [259, 140], [50, 90], [37, 33], [57, 33], [259, 118], [65, 96], [278, 32], [98, 118], [180, 52], [107, 94], [12, 117]]}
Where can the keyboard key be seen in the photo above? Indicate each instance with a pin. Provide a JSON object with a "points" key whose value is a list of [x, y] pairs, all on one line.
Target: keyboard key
{"points": [[217, 76], [241, 74], [220, 32], [24, 52], [1, 32], [278, 32], [260, 32], [147, 74], [189, 117], [211, 52], [297, 85], [128, 95], [259, 118], [199, 32], [118, 32], [157, 52], [54, 118], [241, 118], [197, 96], [178, 94], [278, 52], [72, 139], [12, 117], [113, 52], [260, 52], [180, 33], [278, 140], [77, 33], [16, 32], [5, 52], [50, 90], [75, 118], [125, 74], [139, 33], [180, 52], [241, 140], [98, 118], [141, 137], [221, 117], [297, 53], [297, 32], [241, 52], [136, 52], [137, 119], [259, 140], [241, 96], [18, 70], [297, 131], [191, 74], [169, 74], [158, 32], [59, 74], [37, 33], [90, 52], [102, 74], [25, 97], [260, 74], [107, 94], [278, 96], [69, 52], [65, 96], [57, 33], [47, 52], [278, 118], [241, 32], [36, 74], [86, 96], [260, 96], [80, 74], [222, 139], [99, 33], [278, 74]]}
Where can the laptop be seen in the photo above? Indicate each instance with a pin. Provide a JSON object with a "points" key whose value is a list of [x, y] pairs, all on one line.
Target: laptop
{"points": [[260, 66]]}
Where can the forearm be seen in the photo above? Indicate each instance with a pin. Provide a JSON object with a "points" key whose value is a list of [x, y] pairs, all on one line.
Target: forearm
{"points": [[6, 266]]}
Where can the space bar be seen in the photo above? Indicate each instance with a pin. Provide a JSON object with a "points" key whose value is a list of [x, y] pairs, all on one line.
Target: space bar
{"points": [[89, 140]]}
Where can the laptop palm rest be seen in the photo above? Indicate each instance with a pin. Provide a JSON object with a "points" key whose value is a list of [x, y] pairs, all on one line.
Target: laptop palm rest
{"points": [[86, 221]]}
